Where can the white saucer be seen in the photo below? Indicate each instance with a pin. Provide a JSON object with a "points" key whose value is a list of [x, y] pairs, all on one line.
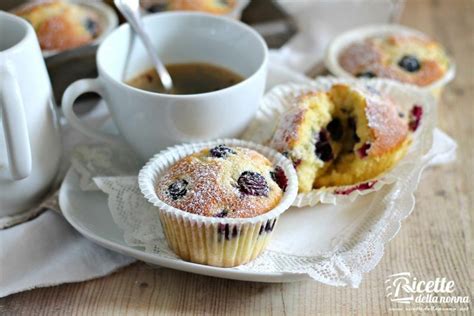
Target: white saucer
{"points": [[307, 234], [89, 214]]}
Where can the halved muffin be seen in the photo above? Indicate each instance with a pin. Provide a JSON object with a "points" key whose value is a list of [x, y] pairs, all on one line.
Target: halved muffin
{"points": [[341, 137]]}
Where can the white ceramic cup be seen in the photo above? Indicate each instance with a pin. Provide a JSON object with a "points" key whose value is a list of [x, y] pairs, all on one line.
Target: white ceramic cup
{"points": [[150, 122], [30, 146]]}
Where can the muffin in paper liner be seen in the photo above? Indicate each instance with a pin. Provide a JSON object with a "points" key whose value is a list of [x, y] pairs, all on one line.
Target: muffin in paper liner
{"points": [[281, 98], [222, 242], [342, 41]]}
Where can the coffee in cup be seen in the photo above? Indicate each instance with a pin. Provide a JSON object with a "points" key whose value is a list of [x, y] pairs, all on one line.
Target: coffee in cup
{"points": [[152, 121], [188, 78]]}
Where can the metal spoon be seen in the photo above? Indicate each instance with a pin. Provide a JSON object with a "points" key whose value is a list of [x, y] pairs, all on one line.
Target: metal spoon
{"points": [[130, 9]]}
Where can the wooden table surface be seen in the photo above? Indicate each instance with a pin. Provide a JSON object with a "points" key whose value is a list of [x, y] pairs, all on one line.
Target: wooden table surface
{"points": [[435, 241]]}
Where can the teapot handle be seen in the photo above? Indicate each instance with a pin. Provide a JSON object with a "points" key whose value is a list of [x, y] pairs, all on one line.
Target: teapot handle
{"points": [[14, 125]]}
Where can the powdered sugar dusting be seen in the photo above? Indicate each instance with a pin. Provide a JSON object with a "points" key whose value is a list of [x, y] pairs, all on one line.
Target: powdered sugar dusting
{"points": [[360, 57], [389, 129], [212, 184], [287, 127], [380, 55]]}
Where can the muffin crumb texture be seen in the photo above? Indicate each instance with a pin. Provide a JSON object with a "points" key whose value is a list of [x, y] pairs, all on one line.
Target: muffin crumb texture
{"points": [[342, 137]]}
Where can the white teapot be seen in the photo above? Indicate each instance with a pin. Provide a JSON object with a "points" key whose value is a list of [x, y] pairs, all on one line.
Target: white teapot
{"points": [[30, 146]]}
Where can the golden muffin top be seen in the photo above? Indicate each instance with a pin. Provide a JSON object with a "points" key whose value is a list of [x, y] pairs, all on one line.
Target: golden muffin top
{"points": [[60, 25], [406, 58], [223, 181]]}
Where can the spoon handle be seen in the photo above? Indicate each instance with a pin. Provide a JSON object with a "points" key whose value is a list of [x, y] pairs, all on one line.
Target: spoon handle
{"points": [[134, 19]]}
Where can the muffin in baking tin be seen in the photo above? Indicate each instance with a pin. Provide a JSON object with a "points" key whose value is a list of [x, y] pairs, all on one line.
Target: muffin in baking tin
{"points": [[61, 25]]}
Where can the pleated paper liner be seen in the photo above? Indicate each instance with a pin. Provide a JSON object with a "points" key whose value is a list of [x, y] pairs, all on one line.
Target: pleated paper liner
{"points": [[223, 242], [281, 98]]}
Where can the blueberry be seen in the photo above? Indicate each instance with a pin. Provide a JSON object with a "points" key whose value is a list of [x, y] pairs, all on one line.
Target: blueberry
{"points": [[351, 122], [324, 152], [416, 114], [91, 26], [278, 175], [323, 135], [221, 151], [335, 129], [366, 74], [409, 63], [178, 189], [221, 214], [323, 148], [267, 227], [363, 150], [224, 229], [296, 162], [252, 183]]}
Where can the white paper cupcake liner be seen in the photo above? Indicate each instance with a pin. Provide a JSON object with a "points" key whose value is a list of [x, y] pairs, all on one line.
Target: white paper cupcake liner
{"points": [[342, 41], [281, 98], [215, 241]]}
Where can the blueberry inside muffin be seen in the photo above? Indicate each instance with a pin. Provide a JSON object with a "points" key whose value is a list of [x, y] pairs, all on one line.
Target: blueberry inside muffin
{"points": [[342, 137]]}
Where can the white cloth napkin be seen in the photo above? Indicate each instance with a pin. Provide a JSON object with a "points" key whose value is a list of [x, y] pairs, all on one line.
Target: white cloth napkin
{"points": [[47, 251]]}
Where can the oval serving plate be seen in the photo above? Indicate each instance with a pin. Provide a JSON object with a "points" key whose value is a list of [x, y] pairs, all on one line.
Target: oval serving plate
{"points": [[334, 245]]}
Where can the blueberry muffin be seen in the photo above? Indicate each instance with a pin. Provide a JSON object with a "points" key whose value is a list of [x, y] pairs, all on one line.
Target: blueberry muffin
{"points": [[406, 58], [218, 7], [226, 202], [60, 25], [341, 137]]}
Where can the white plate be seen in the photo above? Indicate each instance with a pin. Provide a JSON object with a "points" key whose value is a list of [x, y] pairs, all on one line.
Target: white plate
{"points": [[89, 214], [312, 235]]}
